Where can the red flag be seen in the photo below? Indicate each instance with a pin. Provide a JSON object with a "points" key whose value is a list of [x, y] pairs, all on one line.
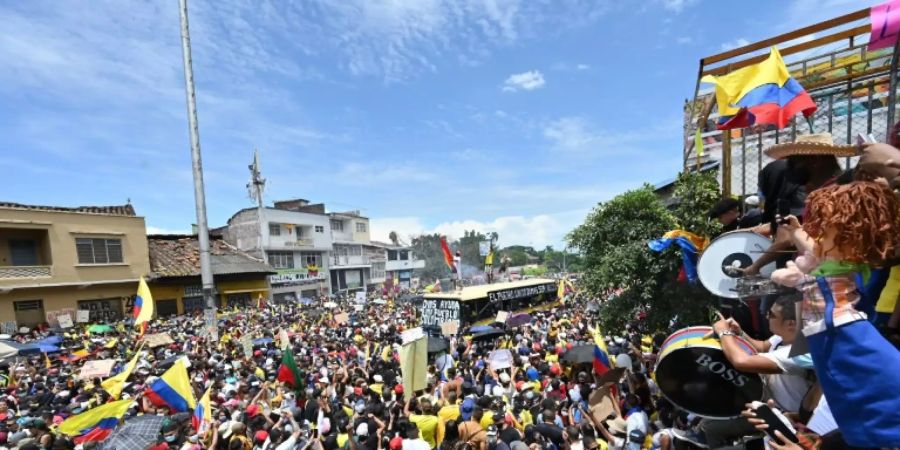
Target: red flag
{"points": [[448, 255], [288, 372]]}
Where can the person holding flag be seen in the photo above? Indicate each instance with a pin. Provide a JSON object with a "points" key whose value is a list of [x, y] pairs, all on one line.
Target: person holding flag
{"points": [[97, 424], [143, 306], [202, 417]]}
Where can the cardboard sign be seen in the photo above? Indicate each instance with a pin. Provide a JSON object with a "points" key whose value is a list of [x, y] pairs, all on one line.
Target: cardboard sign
{"points": [[283, 339], [412, 335], [96, 368], [341, 318], [450, 328], [65, 321], [53, 316], [210, 324], [502, 316], [885, 19], [435, 312], [360, 297], [413, 365], [500, 359], [82, 316], [247, 344], [158, 340], [602, 404]]}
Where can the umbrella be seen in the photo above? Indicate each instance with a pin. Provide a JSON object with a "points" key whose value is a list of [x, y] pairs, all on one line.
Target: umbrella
{"points": [[481, 328], [32, 348], [437, 344], [168, 362], [137, 433], [488, 335], [263, 341], [51, 340], [519, 320], [100, 329], [579, 355], [7, 351], [330, 305]]}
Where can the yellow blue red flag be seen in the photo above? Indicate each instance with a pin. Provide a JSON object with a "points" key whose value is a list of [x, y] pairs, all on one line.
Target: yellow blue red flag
{"points": [[173, 389], [95, 425]]}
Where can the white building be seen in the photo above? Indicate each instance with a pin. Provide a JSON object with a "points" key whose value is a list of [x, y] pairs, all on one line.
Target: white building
{"points": [[401, 262], [295, 238], [355, 263]]}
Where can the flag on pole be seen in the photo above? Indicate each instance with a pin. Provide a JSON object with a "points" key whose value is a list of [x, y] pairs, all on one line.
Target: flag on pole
{"points": [[143, 306], [173, 389], [115, 384], [760, 94], [288, 372], [202, 413], [448, 255], [95, 425]]}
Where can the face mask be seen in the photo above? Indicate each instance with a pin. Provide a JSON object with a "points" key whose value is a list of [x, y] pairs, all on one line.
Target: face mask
{"points": [[171, 438]]}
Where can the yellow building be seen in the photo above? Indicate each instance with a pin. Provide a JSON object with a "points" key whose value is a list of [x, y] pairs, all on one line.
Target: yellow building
{"points": [[55, 260], [175, 274]]}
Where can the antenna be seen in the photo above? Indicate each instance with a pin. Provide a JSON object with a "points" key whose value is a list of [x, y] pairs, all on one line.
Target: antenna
{"points": [[257, 183]]}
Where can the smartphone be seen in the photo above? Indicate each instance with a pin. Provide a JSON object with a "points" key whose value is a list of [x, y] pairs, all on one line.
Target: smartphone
{"points": [[776, 421]]}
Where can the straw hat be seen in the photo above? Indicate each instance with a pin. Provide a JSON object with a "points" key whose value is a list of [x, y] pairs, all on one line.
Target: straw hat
{"points": [[811, 144]]}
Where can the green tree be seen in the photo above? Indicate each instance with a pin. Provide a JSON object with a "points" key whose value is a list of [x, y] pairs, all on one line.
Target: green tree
{"points": [[618, 266]]}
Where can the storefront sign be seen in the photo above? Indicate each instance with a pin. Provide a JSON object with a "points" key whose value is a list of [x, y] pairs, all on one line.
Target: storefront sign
{"points": [[436, 312], [295, 276], [522, 292]]}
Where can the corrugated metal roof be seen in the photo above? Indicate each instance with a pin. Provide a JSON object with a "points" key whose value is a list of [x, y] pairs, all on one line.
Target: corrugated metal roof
{"points": [[116, 210]]}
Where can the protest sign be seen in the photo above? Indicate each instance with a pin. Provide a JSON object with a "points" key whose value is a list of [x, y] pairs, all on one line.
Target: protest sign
{"points": [[158, 340], [500, 359], [96, 368], [411, 335], [450, 328], [65, 321], [82, 316], [341, 318], [502, 316]]}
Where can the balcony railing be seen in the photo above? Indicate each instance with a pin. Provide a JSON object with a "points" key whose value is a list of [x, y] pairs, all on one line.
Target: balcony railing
{"points": [[300, 243], [11, 272], [341, 260]]}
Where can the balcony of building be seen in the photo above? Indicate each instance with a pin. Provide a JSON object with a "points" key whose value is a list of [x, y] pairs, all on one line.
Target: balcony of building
{"points": [[339, 261], [25, 254], [288, 236]]}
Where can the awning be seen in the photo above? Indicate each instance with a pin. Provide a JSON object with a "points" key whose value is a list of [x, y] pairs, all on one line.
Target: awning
{"points": [[244, 291]]}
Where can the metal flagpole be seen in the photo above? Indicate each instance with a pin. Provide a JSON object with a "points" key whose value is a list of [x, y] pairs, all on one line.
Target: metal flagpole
{"points": [[206, 276]]}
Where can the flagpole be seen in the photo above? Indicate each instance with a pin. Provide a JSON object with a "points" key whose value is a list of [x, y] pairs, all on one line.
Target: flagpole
{"points": [[206, 277]]}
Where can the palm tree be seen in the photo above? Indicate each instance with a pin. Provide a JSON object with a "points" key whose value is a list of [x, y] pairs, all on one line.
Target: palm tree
{"points": [[394, 238]]}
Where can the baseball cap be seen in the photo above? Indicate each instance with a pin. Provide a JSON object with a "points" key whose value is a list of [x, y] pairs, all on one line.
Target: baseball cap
{"points": [[396, 443], [261, 436], [252, 410]]}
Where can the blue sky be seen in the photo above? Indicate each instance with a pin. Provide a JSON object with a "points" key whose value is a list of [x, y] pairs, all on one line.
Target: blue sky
{"points": [[514, 116]]}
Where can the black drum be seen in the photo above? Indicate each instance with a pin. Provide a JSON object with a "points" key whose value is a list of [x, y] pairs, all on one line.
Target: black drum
{"points": [[694, 374]]}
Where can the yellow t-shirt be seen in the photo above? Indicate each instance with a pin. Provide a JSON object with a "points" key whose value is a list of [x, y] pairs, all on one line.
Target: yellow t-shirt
{"points": [[449, 412], [377, 388], [428, 427], [487, 419], [888, 299]]}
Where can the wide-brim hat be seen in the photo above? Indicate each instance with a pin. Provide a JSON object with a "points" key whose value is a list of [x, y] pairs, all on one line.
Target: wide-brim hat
{"points": [[811, 144], [617, 426]]}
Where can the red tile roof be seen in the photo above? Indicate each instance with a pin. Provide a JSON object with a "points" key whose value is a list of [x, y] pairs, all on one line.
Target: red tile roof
{"points": [[179, 256]]}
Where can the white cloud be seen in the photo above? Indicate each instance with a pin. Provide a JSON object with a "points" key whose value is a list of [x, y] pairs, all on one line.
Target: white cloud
{"points": [[677, 5], [684, 40], [578, 135], [730, 45], [582, 67], [158, 230], [526, 81], [537, 231]]}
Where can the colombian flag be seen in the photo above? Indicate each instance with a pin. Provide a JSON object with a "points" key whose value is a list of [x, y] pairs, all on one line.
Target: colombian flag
{"points": [[448, 255], [115, 384], [762, 94], [143, 306], [173, 389], [601, 361], [691, 246], [96, 424], [202, 414]]}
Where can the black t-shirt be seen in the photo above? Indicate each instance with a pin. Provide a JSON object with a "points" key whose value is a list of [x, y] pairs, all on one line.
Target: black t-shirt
{"points": [[510, 435], [773, 185], [551, 432]]}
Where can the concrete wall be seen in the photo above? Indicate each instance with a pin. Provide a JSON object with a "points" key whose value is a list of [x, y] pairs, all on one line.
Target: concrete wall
{"points": [[58, 298]]}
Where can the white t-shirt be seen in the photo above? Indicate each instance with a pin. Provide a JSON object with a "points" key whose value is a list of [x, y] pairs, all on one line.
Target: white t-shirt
{"points": [[415, 444], [287, 444], [790, 386], [822, 422]]}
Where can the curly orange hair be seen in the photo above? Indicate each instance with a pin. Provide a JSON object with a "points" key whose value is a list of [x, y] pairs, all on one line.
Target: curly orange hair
{"points": [[863, 216]]}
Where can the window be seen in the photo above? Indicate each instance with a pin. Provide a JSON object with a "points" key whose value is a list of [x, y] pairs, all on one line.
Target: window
{"points": [[360, 227], [392, 255], [98, 251], [354, 251], [320, 229], [378, 270], [308, 259], [274, 229], [404, 255], [102, 310], [281, 260], [337, 225]]}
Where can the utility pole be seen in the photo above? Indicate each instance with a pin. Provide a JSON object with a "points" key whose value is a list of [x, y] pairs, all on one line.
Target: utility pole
{"points": [[206, 277], [256, 186]]}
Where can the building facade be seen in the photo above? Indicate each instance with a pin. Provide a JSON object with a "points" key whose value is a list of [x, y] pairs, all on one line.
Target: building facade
{"points": [[294, 237], [240, 279], [355, 264], [400, 262], [57, 260]]}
